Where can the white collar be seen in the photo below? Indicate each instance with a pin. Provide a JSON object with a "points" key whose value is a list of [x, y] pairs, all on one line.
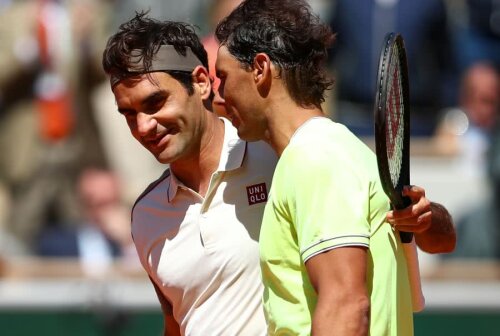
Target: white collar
{"points": [[231, 157]]}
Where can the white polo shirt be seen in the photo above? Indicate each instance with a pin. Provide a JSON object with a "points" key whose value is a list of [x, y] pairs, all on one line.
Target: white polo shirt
{"points": [[203, 252]]}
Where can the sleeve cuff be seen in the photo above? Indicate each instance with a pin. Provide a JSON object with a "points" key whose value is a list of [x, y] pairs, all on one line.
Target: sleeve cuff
{"points": [[325, 245]]}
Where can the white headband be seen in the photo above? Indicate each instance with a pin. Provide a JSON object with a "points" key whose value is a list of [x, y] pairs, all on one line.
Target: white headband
{"points": [[167, 58]]}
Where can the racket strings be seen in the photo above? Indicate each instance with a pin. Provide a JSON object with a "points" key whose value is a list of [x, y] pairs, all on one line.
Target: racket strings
{"points": [[394, 116]]}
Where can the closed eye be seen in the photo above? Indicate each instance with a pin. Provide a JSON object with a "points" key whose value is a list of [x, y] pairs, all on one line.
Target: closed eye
{"points": [[154, 102], [126, 112], [221, 85]]}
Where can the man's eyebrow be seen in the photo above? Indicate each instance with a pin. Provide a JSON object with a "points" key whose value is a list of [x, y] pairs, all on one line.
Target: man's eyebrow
{"points": [[154, 97], [124, 110]]}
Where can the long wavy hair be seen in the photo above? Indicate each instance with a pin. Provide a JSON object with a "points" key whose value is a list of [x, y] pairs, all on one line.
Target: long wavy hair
{"points": [[293, 37]]}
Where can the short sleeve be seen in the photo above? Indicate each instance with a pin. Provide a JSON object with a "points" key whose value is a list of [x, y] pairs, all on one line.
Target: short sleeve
{"points": [[329, 200]]}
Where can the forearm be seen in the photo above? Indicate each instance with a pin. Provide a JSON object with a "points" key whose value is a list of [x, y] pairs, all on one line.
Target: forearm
{"points": [[341, 316], [440, 237]]}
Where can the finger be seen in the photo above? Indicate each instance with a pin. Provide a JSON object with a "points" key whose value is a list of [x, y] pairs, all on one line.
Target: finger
{"points": [[413, 210], [414, 192], [415, 219], [418, 224], [389, 215], [411, 228], [418, 199], [417, 208]]}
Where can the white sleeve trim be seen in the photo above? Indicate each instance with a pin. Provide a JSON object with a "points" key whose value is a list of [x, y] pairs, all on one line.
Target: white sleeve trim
{"points": [[330, 243], [326, 249]]}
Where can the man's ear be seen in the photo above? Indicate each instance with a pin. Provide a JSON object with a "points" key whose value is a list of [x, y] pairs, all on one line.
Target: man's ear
{"points": [[262, 74], [202, 80]]}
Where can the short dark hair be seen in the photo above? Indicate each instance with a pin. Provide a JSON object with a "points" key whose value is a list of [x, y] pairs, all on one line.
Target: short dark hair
{"points": [[147, 35], [291, 35]]}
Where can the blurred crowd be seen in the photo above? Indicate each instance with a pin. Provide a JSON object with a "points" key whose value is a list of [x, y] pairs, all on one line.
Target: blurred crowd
{"points": [[69, 171]]}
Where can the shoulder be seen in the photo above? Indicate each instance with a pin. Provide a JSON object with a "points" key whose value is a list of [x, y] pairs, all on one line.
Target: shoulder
{"points": [[326, 147], [317, 141], [151, 187], [141, 215]]}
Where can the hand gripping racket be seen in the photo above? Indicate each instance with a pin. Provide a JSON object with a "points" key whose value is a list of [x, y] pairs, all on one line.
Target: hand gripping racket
{"points": [[392, 123]]}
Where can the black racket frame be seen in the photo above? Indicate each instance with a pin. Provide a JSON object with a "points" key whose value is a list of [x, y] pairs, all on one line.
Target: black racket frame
{"points": [[393, 40]]}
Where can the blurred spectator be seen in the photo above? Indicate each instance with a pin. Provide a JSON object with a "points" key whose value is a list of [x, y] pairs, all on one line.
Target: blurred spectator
{"points": [[467, 131], [478, 231], [46, 129], [103, 232], [480, 99], [480, 96], [361, 26]]}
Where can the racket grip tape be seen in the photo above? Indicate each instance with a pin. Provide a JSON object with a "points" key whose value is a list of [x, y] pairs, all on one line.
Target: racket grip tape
{"points": [[406, 237]]}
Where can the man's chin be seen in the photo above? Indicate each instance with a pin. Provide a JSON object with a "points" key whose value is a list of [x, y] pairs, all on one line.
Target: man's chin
{"points": [[247, 136], [171, 157], [163, 158]]}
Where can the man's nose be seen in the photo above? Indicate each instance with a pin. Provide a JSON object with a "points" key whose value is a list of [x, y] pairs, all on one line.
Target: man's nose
{"points": [[218, 99], [145, 123], [219, 105]]}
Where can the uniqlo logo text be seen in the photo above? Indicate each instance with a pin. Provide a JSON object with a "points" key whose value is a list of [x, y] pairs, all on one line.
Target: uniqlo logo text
{"points": [[257, 194]]}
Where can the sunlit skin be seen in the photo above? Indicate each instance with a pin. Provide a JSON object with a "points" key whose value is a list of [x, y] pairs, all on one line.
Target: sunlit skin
{"points": [[174, 126], [239, 92], [156, 115]]}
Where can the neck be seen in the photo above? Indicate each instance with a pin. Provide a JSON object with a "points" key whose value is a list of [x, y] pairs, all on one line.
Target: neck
{"points": [[283, 115], [196, 170], [284, 120]]}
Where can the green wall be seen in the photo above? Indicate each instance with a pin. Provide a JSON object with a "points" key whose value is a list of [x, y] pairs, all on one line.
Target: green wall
{"points": [[149, 323], [457, 323]]}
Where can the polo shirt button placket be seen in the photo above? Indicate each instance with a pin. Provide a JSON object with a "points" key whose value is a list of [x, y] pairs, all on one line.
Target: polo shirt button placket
{"points": [[206, 231], [202, 228]]}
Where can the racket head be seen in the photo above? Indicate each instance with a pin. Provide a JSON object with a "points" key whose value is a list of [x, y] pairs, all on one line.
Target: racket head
{"points": [[392, 120]]}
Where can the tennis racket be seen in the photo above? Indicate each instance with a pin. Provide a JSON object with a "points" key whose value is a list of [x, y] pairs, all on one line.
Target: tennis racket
{"points": [[392, 123]]}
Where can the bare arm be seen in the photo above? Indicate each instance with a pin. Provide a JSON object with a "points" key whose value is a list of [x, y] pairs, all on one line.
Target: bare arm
{"points": [[430, 222], [339, 278], [171, 327]]}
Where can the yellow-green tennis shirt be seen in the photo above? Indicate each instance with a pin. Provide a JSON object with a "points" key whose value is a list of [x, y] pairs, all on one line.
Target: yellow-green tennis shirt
{"points": [[326, 194]]}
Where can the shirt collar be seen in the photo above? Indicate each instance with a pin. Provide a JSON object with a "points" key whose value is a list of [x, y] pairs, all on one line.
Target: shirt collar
{"points": [[231, 158], [233, 149], [173, 185]]}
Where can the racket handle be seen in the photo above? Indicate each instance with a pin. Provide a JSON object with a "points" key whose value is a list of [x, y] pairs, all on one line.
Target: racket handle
{"points": [[406, 237], [417, 295]]}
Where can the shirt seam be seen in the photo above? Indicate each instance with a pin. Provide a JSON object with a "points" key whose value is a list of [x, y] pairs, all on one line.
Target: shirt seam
{"points": [[326, 249], [331, 239]]}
